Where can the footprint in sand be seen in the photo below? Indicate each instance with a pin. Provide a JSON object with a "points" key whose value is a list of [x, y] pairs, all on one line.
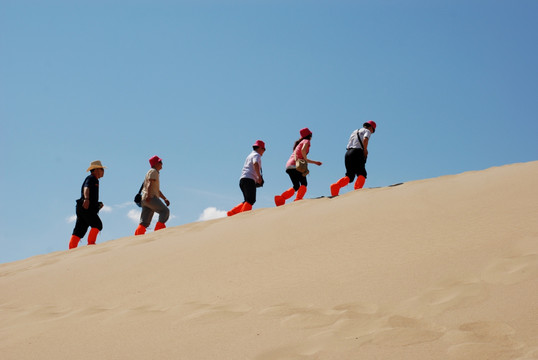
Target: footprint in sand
{"points": [[303, 317], [485, 340], [299, 352], [402, 331], [453, 295], [209, 312]]}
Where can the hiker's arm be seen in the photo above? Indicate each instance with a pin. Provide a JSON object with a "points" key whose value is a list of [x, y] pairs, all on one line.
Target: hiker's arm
{"points": [[86, 193], [258, 173], [304, 151], [164, 198]]}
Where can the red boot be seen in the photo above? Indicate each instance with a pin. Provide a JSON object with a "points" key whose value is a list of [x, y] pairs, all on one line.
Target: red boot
{"points": [[246, 207], [335, 188], [140, 230], [159, 226], [73, 243], [281, 199], [92, 238], [235, 210], [360, 182], [300, 193]]}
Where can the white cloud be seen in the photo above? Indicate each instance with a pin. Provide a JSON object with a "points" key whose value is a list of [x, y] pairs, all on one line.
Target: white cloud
{"points": [[211, 213], [134, 215], [106, 209], [71, 219]]}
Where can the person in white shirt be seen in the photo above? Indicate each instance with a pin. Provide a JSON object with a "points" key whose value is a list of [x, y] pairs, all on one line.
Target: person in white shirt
{"points": [[251, 178], [355, 159]]}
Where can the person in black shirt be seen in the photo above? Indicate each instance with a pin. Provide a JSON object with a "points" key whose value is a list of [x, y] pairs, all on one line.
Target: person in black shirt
{"points": [[88, 207]]}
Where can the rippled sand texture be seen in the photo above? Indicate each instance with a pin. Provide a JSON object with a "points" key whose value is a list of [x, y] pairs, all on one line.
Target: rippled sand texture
{"points": [[443, 268]]}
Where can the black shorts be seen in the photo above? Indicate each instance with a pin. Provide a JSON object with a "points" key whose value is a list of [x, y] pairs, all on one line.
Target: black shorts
{"points": [[297, 179], [86, 218], [355, 163], [248, 187]]}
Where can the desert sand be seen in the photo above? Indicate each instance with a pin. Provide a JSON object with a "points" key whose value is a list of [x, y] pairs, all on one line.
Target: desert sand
{"points": [[443, 268]]}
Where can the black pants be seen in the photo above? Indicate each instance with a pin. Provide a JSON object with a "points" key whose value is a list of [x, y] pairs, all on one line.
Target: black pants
{"points": [[297, 179], [86, 218], [248, 187], [355, 163]]}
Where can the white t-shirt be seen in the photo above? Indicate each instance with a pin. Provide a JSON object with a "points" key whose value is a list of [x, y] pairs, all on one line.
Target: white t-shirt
{"points": [[354, 141], [248, 169]]}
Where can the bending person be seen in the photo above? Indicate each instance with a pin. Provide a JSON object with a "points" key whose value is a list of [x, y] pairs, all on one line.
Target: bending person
{"points": [[355, 159]]}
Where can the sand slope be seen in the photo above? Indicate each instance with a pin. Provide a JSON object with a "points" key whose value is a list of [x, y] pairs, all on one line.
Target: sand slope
{"points": [[444, 268]]}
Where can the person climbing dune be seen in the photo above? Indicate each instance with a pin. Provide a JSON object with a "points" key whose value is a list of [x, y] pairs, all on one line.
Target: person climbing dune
{"points": [[88, 206], [296, 173], [151, 198], [355, 158], [251, 178]]}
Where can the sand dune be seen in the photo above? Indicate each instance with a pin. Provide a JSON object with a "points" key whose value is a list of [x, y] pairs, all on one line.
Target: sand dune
{"points": [[444, 268]]}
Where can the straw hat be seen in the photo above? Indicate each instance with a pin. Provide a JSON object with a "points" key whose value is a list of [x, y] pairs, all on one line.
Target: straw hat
{"points": [[96, 165]]}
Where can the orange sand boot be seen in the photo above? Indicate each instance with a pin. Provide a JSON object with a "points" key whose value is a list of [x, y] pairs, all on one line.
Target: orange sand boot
{"points": [[73, 243], [281, 199], [92, 238], [360, 182], [140, 230], [159, 226], [246, 207], [235, 210], [335, 188], [300, 193]]}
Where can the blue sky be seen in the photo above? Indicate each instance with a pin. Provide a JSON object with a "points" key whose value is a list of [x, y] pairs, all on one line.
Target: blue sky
{"points": [[452, 85]]}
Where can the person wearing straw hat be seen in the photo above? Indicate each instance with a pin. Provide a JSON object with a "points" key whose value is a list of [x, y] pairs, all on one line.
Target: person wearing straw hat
{"points": [[151, 198], [251, 178], [298, 179], [355, 159], [88, 207]]}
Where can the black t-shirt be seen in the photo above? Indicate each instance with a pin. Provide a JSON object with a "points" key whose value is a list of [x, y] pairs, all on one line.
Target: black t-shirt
{"points": [[92, 183]]}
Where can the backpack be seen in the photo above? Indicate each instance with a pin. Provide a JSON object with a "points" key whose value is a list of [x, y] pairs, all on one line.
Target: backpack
{"points": [[138, 197]]}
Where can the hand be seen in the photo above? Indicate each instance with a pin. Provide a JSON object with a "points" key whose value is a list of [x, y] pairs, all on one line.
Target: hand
{"points": [[318, 163], [365, 153], [167, 202], [86, 204]]}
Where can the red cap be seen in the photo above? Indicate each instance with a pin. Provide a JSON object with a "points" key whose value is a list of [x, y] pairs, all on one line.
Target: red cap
{"points": [[372, 124], [260, 144], [305, 132], [155, 160]]}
